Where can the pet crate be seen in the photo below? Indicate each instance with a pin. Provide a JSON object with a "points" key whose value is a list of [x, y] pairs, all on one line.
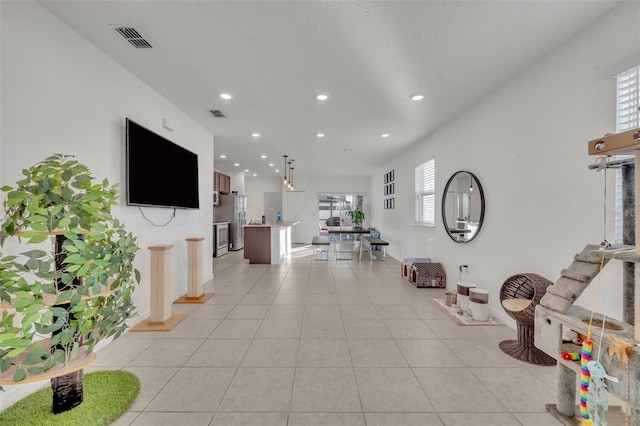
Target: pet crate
{"points": [[428, 275], [405, 268]]}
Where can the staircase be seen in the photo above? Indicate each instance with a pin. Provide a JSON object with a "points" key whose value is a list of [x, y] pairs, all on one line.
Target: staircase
{"points": [[585, 267]]}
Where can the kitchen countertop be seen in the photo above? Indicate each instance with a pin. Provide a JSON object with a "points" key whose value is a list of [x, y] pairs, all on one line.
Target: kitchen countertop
{"points": [[281, 224], [220, 223]]}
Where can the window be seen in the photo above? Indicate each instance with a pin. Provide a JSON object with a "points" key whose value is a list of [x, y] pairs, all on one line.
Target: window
{"points": [[627, 118], [334, 208], [628, 85], [425, 194]]}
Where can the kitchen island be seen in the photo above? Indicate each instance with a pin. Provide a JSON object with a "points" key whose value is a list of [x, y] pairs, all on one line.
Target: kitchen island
{"points": [[268, 243]]}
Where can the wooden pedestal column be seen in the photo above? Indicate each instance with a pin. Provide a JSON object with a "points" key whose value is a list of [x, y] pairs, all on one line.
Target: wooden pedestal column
{"points": [[161, 318], [194, 285]]}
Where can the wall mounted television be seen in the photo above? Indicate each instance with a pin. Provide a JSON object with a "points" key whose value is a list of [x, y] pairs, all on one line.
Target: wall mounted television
{"points": [[160, 173]]}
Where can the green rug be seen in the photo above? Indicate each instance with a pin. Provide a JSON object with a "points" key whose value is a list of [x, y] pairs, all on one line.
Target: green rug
{"points": [[107, 394]]}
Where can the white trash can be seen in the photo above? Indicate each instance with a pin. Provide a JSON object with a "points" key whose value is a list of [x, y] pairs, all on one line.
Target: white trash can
{"points": [[479, 304], [463, 295]]}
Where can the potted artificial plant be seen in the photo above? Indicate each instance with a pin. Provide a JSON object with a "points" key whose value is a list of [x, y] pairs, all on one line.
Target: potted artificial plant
{"points": [[357, 215], [71, 283]]}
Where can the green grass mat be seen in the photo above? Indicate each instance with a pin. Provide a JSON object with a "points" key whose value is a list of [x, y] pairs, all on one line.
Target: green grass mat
{"points": [[107, 394]]}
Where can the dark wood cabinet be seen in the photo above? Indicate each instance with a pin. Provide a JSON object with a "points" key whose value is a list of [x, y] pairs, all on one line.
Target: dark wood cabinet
{"points": [[226, 185], [221, 183], [257, 244]]}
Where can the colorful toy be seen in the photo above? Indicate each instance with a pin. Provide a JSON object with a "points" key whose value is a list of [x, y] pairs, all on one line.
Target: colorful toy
{"points": [[585, 357], [570, 356]]}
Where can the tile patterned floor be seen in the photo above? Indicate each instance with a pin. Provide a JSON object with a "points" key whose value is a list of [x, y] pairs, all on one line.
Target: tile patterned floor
{"points": [[339, 343]]}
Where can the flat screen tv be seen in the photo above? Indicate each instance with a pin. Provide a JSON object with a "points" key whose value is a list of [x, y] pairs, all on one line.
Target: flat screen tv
{"points": [[159, 172]]}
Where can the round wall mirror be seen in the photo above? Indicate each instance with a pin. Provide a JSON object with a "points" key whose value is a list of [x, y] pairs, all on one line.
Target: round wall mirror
{"points": [[463, 206]]}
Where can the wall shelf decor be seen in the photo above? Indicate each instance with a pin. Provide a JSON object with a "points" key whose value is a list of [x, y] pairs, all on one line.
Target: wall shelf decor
{"points": [[389, 189]]}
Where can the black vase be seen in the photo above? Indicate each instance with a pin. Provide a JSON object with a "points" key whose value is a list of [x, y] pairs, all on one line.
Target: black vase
{"points": [[68, 388]]}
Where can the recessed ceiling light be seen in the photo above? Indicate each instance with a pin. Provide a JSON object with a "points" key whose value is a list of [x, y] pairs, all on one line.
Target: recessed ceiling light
{"points": [[254, 175], [223, 156], [226, 96], [236, 164], [246, 170], [255, 135], [263, 156], [322, 97], [320, 135], [277, 171], [384, 135], [271, 164], [416, 96]]}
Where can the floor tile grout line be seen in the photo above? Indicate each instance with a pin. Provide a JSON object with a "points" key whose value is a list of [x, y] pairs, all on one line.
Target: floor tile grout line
{"points": [[382, 277]]}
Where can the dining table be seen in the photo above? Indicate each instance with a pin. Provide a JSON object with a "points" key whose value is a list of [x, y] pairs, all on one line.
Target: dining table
{"points": [[340, 231]]}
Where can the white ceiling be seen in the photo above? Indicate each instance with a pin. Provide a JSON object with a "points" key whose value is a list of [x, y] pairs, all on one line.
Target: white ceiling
{"points": [[275, 56]]}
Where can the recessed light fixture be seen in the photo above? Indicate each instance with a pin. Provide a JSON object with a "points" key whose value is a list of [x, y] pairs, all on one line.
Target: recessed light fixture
{"points": [[322, 97], [320, 135], [277, 170], [254, 175], [384, 135], [270, 164], [255, 135], [223, 156], [246, 170], [226, 96], [263, 156], [236, 164], [416, 96]]}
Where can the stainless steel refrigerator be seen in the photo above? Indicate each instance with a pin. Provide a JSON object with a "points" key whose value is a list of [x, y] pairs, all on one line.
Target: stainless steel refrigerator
{"points": [[232, 208]]}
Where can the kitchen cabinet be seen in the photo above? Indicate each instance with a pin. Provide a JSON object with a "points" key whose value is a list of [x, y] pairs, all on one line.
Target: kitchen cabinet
{"points": [[221, 183]]}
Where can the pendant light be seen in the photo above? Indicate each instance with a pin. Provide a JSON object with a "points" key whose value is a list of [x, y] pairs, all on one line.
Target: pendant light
{"points": [[291, 176], [471, 187], [285, 169], [289, 184]]}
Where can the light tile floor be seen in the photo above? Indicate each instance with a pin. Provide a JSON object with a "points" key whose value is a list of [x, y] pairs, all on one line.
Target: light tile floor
{"points": [[310, 342]]}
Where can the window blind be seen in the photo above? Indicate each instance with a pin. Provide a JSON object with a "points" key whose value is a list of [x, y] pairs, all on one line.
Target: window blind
{"points": [[425, 197], [628, 87], [627, 118]]}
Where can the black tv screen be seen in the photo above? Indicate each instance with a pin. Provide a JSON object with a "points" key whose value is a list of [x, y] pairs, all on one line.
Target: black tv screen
{"points": [[159, 172]]}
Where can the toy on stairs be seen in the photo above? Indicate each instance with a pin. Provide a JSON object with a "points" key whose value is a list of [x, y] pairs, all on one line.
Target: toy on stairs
{"points": [[569, 335], [570, 356]]}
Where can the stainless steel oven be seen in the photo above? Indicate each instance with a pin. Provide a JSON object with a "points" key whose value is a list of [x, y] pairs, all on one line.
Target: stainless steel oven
{"points": [[221, 238]]}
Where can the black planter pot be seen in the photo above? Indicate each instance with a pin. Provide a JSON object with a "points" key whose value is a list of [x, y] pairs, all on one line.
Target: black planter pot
{"points": [[68, 388]]}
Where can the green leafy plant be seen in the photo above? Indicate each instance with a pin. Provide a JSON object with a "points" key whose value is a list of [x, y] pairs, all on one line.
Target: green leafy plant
{"points": [[87, 297], [357, 215]]}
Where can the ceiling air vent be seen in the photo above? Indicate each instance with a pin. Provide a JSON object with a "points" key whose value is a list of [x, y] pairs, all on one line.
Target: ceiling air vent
{"points": [[133, 37], [217, 113]]}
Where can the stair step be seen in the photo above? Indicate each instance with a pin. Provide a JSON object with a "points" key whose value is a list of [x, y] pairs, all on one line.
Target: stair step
{"points": [[555, 302], [567, 288], [588, 258], [568, 273]]}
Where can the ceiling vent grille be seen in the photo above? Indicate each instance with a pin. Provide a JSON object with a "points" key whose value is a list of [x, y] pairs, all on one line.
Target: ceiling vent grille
{"points": [[133, 37], [217, 113]]}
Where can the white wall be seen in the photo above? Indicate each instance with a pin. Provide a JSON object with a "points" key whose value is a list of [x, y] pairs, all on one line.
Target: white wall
{"points": [[254, 188], [527, 143], [62, 94]]}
